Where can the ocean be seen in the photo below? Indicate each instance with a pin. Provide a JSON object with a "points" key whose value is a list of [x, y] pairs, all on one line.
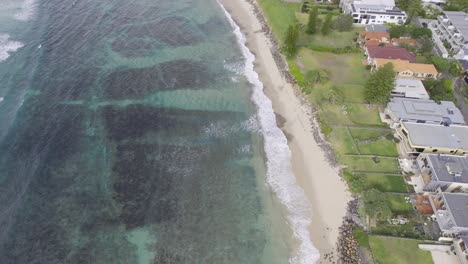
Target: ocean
{"points": [[136, 131]]}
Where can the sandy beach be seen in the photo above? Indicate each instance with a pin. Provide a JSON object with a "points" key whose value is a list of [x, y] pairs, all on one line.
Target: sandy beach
{"points": [[325, 189]]}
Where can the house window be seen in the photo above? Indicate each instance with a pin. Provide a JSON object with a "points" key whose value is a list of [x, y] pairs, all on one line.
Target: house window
{"points": [[404, 132], [392, 17]]}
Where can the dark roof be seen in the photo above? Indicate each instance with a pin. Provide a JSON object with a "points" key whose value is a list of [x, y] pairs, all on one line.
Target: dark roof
{"points": [[376, 28], [391, 53]]}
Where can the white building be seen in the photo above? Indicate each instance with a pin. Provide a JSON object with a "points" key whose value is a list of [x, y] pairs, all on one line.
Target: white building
{"points": [[373, 11], [422, 111], [409, 88], [450, 33]]}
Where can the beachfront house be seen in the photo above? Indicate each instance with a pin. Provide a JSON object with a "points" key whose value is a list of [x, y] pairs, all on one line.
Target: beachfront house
{"points": [[368, 39], [373, 11], [409, 88], [451, 212], [450, 33], [406, 69], [447, 172], [419, 138], [422, 111], [396, 53]]}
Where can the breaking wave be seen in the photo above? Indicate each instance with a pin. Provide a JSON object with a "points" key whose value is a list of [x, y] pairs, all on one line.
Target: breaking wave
{"points": [[278, 154]]}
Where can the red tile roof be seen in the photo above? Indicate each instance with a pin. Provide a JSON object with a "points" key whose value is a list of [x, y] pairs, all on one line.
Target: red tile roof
{"points": [[375, 35], [390, 53], [374, 42]]}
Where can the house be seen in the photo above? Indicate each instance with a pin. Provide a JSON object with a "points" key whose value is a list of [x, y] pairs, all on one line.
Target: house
{"points": [[447, 172], [409, 88], [422, 111], [377, 28], [373, 11], [451, 212], [397, 41], [450, 33], [374, 52], [405, 69], [367, 39], [419, 138], [460, 248]]}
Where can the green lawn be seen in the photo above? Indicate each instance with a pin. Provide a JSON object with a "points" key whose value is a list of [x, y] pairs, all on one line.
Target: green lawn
{"points": [[335, 39], [341, 68], [398, 205], [352, 93], [362, 238], [355, 163], [368, 133], [384, 183], [381, 147], [390, 250], [280, 15], [352, 114], [342, 141]]}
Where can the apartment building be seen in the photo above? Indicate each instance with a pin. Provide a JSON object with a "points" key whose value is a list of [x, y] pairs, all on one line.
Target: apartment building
{"points": [[373, 11], [450, 33]]}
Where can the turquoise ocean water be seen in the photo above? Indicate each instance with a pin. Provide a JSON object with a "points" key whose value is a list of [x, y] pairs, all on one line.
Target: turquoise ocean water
{"points": [[135, 131]]}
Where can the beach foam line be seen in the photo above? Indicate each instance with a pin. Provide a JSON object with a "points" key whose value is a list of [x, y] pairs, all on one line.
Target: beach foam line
{"points": [[8, 46], [279, 172]]}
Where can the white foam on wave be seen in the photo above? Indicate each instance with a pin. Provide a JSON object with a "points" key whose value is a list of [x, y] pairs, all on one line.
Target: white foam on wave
{"points": [[8, 46], [27, 10], [279, 172]]}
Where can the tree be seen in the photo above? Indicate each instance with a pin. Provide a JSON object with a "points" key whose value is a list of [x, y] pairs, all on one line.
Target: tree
{"points": [[440, 90], [421, 32], [375, 205], [335, 2], [327, 24], [455, 68], [312, 24], [398, 31], [456, 5], [380, 84], [290, 41], [441, 64], [344, 22], [425, 44], [414, 8]]}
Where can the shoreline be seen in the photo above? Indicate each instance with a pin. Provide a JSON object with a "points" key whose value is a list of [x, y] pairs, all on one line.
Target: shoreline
{"points": [[312, 162]]}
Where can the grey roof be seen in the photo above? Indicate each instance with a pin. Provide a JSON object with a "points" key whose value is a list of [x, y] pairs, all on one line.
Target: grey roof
{"points": [[427, 110], [458, 205], [459, 20], [376, 28], [449, 168], [438, 136], [411, 88]]}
